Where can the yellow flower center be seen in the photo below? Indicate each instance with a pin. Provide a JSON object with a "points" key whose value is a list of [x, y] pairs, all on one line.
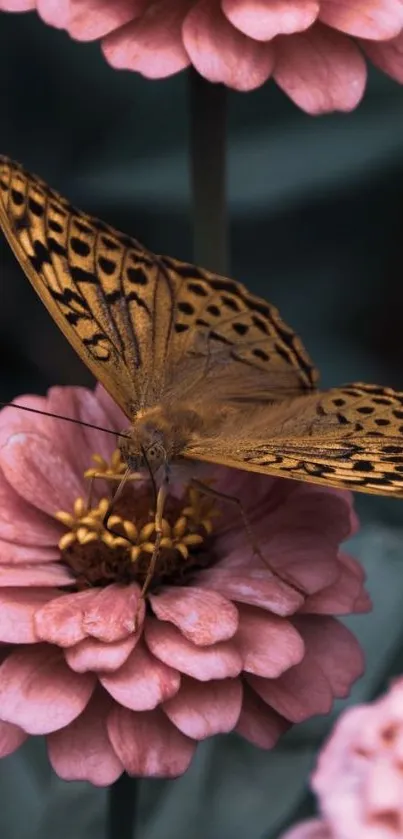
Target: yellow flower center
{"points": [[119, 549]]}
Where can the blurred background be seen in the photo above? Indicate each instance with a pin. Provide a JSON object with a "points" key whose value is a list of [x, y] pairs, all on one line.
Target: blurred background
{"points": [[316, 211]]}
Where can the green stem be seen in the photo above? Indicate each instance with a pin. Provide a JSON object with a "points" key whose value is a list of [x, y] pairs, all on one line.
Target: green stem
{"points": [[122, 801], [208, 118]]}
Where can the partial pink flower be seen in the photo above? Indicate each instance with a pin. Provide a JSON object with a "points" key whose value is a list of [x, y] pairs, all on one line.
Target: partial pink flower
{"points": [[221, 641], [309, 829], [359, 775], [314, 49]]}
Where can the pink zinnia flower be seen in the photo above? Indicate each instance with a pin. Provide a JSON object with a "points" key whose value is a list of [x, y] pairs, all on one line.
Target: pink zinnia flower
{"points": [[314, 49], [359, 776], [222, 642]]}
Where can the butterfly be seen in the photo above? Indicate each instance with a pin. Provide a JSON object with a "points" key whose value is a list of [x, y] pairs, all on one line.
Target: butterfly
{"points": [[203, 370]]}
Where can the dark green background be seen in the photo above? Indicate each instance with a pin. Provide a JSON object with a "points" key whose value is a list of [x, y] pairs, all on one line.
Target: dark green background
{"points": [[316, 210]]}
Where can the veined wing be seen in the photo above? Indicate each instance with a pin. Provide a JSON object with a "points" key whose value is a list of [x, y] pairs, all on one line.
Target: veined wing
{"points": [[101, 287], [350, 437], [142, 323]]}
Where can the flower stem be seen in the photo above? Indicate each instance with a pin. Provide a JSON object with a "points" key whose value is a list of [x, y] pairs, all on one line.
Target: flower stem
{"points": [[208, 119], [122, 800]]}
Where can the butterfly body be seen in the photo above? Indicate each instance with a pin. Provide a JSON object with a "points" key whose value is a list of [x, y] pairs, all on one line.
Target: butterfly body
{"points": [[203, 369], [160, 434]]}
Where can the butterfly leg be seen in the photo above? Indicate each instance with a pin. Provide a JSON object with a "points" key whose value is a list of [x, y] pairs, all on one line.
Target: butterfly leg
{"points": [[123, 481], [117, 478], [159, 512], [90, 491], [232, 499]]}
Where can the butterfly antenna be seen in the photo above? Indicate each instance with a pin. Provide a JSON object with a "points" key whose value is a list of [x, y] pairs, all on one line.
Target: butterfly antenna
{"points": [[60, 416]]}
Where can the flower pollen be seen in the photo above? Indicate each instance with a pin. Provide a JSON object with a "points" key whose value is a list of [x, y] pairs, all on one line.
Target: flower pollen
{"points": [[113, 542]]}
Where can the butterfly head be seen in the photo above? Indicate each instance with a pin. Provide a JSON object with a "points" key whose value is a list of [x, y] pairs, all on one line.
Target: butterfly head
{"points": [[140, 454], [157, 437], [146, 444]]}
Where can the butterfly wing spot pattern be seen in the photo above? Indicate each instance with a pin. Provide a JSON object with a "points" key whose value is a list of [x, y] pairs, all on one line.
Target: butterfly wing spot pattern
{"points": [[203, 369], [346, 437]]}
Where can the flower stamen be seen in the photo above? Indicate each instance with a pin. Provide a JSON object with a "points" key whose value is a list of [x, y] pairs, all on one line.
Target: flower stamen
{"points": [[121, 550], [112, 471]]}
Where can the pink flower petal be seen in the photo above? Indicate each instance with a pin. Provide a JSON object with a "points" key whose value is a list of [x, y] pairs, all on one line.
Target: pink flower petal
{"points": [[383, 794], [143, 682], [378, 19], [11, 738], [39, 692], [281, 518], [357, 734], [17, 609], [353, 565], [363, 604], [257, 587], [320, 70], [49, 574], [297, 694], [22, 523], [86, 407], [13, 420], [268, 644], [63, 435], [358, 776], [260, 495], [17, 5], [202, 710], [13, 554], [222, 53], [91, 654], [54, 12], [82, 751], [61, 621], [310, 829], [76, 443], [203, 617], [114, 613], [263, 21], [148, 744], [92, 19], [258, 723], [342, 597], [335, 650], [300, 552], [221, 661], [393, 707], [40, 475], [387, 56], [152, 45]]}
